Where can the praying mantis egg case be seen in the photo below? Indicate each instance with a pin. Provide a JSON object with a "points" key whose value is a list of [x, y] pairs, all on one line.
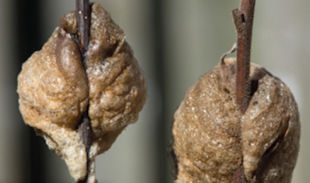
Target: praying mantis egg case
{"points": [[53, 95], [56, 88], [117, 90], [52, 85], [212, 139]]}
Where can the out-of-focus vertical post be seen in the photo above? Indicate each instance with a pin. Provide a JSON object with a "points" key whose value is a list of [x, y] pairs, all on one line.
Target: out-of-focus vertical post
{"points": [[28, 39]]}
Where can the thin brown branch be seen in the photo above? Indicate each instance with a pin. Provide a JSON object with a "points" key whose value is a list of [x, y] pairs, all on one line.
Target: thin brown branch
{"points": [[86, 134], [83, 19], [243, 19]]}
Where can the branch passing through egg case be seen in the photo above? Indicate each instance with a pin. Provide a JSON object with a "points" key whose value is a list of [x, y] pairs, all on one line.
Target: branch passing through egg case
{"points": [[55, 89], [213, 139]]}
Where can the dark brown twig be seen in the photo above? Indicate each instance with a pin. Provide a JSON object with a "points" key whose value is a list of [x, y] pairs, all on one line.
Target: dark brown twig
{"points": [[83, 20], [243, 19], [85, 132]]}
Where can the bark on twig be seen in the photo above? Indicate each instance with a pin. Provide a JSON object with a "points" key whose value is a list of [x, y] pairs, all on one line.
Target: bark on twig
{"points": [[243, 19], [83, 19], [86, 134]]}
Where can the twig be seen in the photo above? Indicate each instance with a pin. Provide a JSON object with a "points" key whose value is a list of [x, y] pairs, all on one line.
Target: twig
{"points": [[86, 134], [243, 19], [83, 20]]}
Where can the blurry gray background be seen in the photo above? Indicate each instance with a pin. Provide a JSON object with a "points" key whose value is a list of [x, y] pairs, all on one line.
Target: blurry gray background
{"points": [[175, 41]]}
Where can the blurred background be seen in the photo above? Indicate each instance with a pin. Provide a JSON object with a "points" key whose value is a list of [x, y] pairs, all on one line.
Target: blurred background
{"points": [[175, 41]]}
